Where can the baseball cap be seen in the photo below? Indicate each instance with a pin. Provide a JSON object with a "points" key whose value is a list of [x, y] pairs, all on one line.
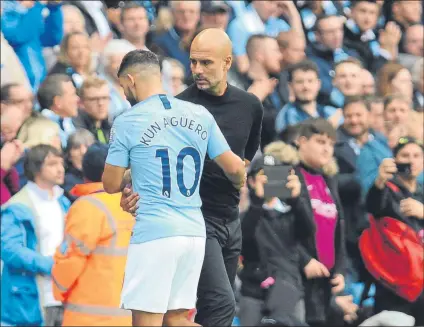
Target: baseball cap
{"points": [[213, 7], [403, 141], [94, 161]]}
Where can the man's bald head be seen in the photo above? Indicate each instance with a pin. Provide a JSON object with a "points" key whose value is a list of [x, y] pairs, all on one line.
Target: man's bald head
{"points": [[213, 38], [211, 58]]}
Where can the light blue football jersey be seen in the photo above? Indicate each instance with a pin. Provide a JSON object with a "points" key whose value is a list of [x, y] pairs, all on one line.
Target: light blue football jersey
{"points": [[165, 140]]}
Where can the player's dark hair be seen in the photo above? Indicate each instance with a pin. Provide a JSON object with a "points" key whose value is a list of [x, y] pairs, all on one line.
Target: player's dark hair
{"points": [[138, 57], [321, 17], [127, 6], [304, 66]]}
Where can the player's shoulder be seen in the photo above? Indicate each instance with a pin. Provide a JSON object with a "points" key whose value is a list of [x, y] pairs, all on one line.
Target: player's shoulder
{"points": [[188, 94], [190, 108]]}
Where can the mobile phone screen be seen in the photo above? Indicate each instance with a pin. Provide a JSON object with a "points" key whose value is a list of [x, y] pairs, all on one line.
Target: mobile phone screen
{"points": [[404, 168]]}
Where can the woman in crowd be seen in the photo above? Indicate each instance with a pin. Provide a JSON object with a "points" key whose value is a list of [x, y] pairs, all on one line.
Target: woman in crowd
{"points": [[75, 58], [402, 202], [77, 146]]}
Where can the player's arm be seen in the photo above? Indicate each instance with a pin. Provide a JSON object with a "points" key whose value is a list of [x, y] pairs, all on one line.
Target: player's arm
{"points": [[117, 161], [233, 167], [228, 161], [113, 177]]}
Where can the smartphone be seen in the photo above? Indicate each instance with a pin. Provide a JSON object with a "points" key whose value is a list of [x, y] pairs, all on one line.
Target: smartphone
{"points": [[277, 180], [404, 168]]}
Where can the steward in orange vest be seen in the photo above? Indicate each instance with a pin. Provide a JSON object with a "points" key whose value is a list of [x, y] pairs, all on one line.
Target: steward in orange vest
{"points": [[89, 266]]}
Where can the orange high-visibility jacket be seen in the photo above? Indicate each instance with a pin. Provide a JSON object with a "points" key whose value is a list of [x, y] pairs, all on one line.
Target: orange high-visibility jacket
{"points": [[89, 266]]}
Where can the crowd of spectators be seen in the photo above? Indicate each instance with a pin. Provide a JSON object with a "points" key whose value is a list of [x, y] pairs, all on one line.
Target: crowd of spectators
{"points": [[355, 67]]}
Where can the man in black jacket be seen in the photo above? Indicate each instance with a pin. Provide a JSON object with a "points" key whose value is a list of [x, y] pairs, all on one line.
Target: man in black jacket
{"points": [[402, 200], [94, 113]]}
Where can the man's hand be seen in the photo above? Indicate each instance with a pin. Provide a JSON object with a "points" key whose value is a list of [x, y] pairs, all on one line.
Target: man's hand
{"points": [[412, 208], [263, 87], [10, 154], [257, 183], [129, 200], [315, 269], [338, 283], [349, 308], [386, 172], [335, 118], [293, 184], [389, 38]]}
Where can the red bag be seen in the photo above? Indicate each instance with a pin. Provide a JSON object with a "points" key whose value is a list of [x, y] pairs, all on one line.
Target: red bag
{"points": [[393, 253]]}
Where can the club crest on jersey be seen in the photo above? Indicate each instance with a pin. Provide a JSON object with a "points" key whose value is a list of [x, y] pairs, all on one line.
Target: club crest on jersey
{"points": [[112, 134]]}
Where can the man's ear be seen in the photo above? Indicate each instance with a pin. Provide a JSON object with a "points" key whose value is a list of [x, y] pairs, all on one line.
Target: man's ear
{"points": [[228, 62]]}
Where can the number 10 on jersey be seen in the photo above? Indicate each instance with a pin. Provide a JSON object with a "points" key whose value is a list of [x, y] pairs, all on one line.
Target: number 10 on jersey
{"points": [[163, 154]]}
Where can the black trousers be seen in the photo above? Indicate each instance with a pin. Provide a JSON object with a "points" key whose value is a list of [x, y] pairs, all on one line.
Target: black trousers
{"points": [[216, 305]]}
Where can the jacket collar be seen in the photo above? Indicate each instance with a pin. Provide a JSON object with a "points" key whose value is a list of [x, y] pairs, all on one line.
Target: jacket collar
{"points": [[86, 189]]}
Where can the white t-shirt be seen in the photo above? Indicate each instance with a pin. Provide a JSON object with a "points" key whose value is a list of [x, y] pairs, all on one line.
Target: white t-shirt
{"points": [[51, 228]]}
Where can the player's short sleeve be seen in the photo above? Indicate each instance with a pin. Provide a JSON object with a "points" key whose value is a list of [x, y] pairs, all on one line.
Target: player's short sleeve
{"points": [[217, 144], [119, 150]]}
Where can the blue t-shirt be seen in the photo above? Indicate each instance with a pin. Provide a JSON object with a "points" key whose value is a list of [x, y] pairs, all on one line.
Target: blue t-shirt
{"points": [[165, 141]]}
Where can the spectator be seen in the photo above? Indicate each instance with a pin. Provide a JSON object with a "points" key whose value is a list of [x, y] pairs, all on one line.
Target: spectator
{"points": [[258, 18], [418, 78], [77, 146], [38, 209], [111, 59], [375, 106], [394, 78], [73, 21], [11, 121], [360, 36], [177, 71], [405, 205], [293, 52], [94, 113], [58, 97], [347, 82], [12, 70], [305, 83], [405, 14], [10, 153], [75, 58], [215, 14], [413, 40], [310, 11], [101, 260], [28, 31], [135, 24], [19, 96], [322, 267], [95, 16], [351, 137], [328, 48], [368, 83], [396, 115], [264, 58], [174, 43]]}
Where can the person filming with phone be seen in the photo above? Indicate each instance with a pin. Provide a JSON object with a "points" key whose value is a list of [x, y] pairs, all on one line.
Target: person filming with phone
{"points": [[396, 199]]}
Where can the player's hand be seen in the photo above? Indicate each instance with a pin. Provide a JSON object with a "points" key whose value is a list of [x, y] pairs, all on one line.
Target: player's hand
{"points": [[412, 208], [293, 184], [338, 283], [315, 269], [386, 172], [129, 200], [242, 182]]}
